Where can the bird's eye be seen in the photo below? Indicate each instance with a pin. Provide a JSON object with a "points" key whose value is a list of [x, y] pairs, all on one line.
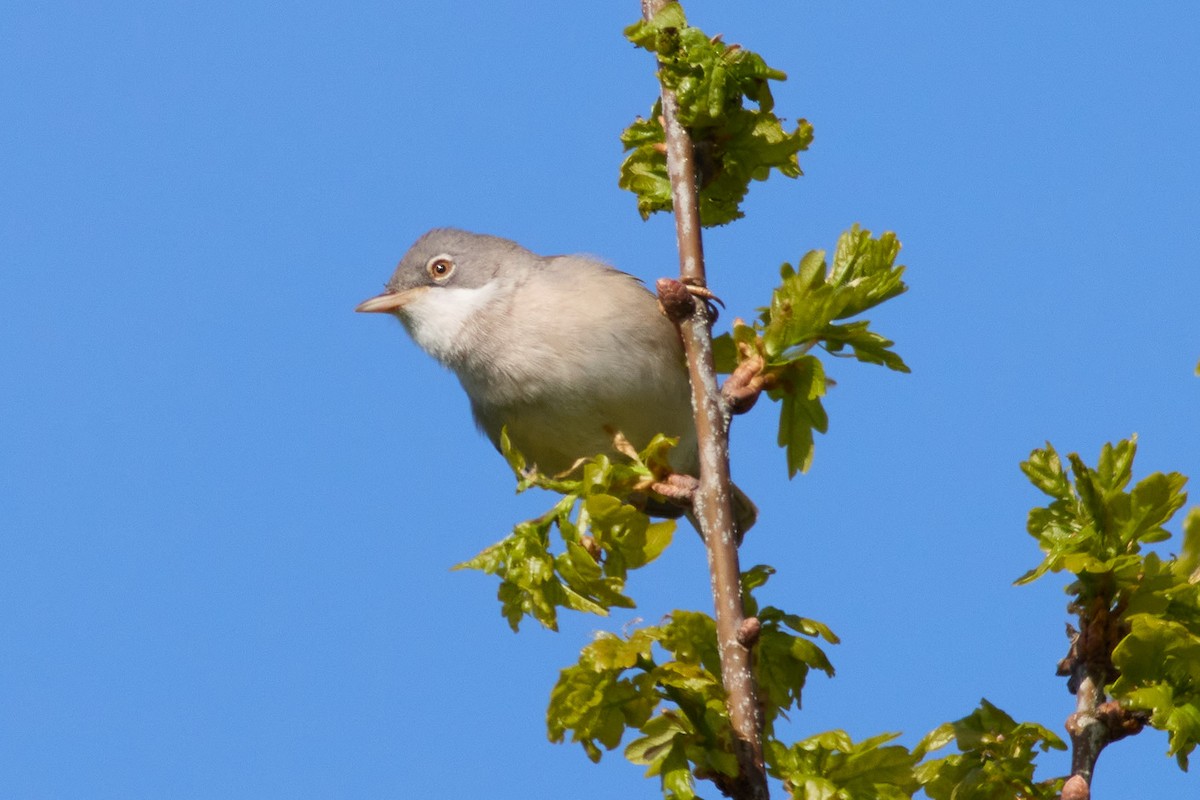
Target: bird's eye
{"points": [[440, 268]]}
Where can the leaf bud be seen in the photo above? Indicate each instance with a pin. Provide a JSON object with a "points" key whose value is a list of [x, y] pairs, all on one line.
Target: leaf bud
{"points": [[1076, 788], [748, 632]]}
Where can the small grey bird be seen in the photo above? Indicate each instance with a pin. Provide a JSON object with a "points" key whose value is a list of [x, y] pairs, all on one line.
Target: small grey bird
{"points": [[562, 350]]}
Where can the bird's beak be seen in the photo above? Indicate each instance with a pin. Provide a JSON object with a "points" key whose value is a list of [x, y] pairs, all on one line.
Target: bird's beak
{"points": [[388, 302]]}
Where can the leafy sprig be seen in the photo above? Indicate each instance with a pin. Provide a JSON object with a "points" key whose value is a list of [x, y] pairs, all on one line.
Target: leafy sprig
{"points": [[733, 144], [603, 535], [995, 759], [1159, 659], [1142, 611], [663, 682], [831, 765], [1094, 527], [813, 307]]}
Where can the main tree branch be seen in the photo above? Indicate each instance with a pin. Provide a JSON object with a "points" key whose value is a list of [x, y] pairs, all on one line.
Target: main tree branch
{"points": [[713, 498]]}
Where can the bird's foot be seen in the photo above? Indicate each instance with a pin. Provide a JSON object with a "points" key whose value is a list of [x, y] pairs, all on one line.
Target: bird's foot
{"points": [[677, 300]]}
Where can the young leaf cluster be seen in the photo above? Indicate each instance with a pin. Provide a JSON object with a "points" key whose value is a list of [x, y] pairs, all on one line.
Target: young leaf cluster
{"points": [[603, 536], [1096, 527], [1158, 661], [831, 766], [663, 683], [995, 759], [782, 659], [814, 306], [733, 144]]}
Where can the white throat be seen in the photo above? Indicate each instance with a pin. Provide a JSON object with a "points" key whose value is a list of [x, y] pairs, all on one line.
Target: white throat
{"points": [[442, 320]]}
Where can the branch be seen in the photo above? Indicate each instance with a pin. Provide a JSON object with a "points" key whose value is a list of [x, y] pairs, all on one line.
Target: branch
{"points": [[1096, 722], [712, 505]]}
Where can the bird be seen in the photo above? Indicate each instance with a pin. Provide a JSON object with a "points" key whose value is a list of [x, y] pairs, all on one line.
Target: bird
{"points": [[561, 352]]}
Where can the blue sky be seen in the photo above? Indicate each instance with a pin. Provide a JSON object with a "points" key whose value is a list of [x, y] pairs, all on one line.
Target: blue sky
{"points": [[228, 504]]}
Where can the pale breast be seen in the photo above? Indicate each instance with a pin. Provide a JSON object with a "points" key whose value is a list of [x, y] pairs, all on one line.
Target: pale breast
{"points": [[601, 358]]}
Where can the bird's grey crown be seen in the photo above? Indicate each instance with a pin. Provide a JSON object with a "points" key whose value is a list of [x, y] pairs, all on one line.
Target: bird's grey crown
{"points": [[477, 257]]}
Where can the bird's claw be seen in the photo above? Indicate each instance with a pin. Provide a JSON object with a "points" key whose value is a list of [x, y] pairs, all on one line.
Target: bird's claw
{"points": [[703, 292]]}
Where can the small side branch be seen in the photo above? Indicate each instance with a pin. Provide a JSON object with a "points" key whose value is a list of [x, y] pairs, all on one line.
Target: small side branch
{"points": [[713, 496], [1096, 724], [741, 389], [1096, 721]]}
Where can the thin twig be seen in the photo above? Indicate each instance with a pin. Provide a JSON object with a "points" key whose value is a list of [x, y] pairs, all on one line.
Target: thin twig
{"points": [[712, 504], [1088, 734]]}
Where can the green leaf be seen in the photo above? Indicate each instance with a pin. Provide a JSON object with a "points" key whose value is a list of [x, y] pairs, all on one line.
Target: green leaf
{"points": [[692, 638], [1045, 471], [651, 34], [514, 458], [864, 268], [810, 627], [1092, 512], [1188, 563], [782, 667], [677, 783], [644, 171], [663, 748], [659, 735], [936, 739], [585, 584], [995, 760], [783, 659], [801, 307], [625, 533], [690, 677], [658, 537], [725, 358], [1115, 468], [800, 386], [1153, 501], [867, 346], [755, 578]]}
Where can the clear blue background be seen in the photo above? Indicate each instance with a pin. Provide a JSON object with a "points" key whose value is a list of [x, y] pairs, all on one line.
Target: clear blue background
{"points": [[228, 504]]}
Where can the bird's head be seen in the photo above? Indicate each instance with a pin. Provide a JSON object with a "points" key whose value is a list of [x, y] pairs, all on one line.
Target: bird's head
{"points": [[447, 283]]}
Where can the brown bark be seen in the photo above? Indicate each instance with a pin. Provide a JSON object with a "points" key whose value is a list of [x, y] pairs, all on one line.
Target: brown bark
{"points": [[712, 502]]}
